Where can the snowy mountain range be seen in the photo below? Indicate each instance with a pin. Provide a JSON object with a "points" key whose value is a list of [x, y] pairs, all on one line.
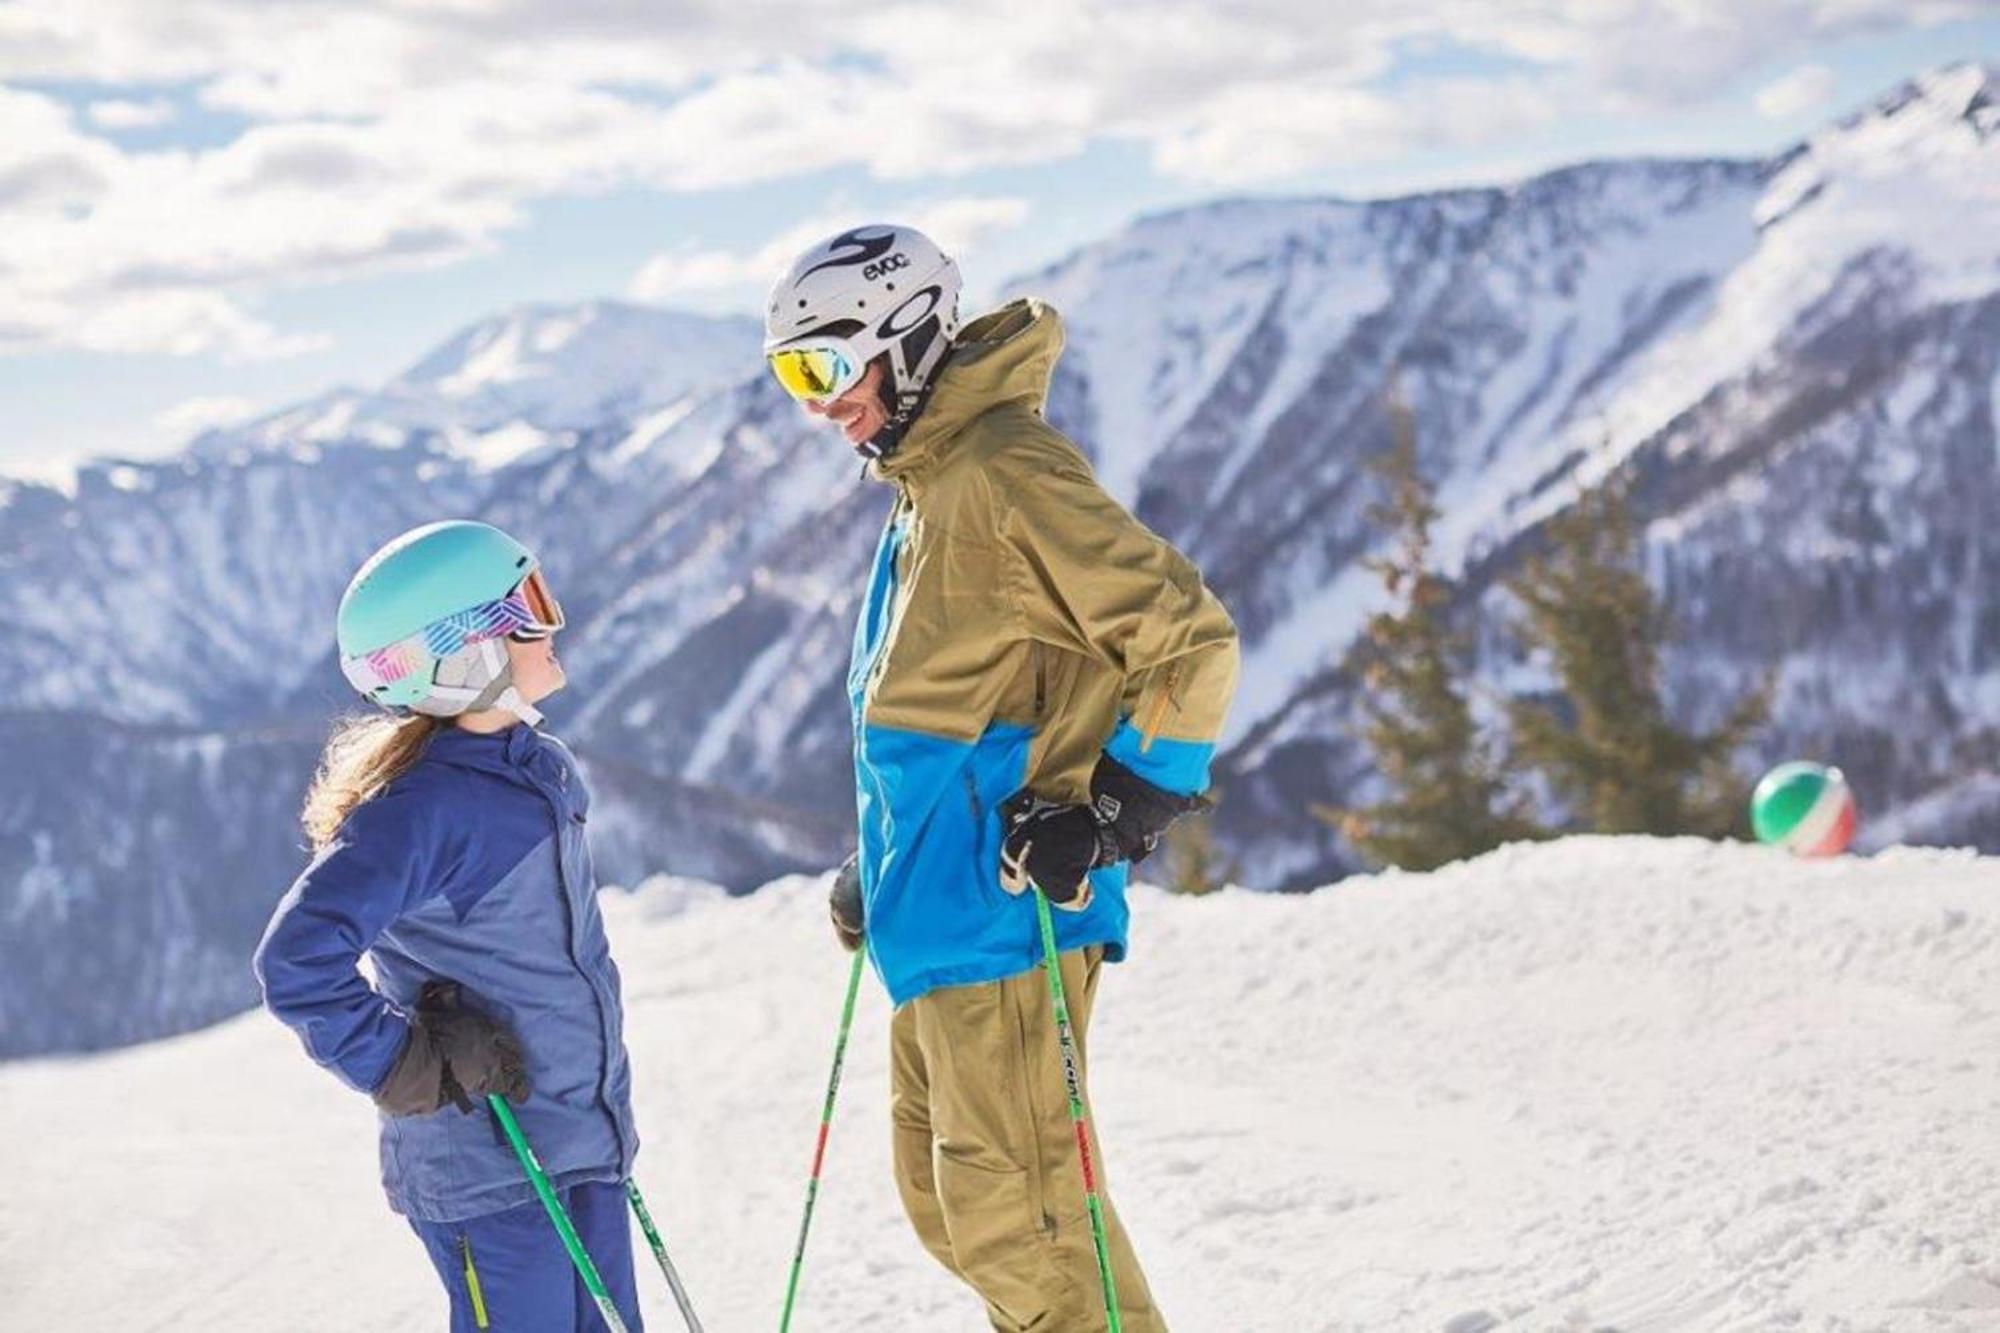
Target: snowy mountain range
{"points": [[1795, 357]]}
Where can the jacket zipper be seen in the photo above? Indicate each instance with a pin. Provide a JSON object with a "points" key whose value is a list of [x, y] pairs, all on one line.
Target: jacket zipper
{"points": [[472, 1284], [878, 651], [563, 819], [1158, 717], [1041, 678]]}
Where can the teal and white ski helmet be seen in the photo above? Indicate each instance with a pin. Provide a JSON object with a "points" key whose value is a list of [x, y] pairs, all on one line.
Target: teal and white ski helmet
{"points": [[421, 625]]}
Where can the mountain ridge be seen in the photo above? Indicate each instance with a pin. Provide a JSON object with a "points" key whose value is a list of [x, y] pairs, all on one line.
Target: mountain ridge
{"points": [[1792, 356]]}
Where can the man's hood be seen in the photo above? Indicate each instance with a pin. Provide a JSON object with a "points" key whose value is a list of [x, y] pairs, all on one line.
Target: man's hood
{"points": [[1006, 356]]}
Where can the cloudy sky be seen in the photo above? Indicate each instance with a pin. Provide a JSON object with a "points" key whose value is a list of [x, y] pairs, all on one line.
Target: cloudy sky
{"points": [[210, 208]]}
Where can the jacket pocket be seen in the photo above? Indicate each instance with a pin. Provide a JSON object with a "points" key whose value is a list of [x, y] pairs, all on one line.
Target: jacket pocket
{"points": [[972, 799], [997, 1234], [1157, 715], [984, 843]]}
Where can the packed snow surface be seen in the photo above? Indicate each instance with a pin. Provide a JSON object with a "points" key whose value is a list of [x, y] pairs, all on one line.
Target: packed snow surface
{"points": [[1592, 1085]]}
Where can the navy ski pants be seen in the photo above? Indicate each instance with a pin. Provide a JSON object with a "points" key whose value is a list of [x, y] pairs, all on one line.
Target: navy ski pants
{"points": [[509, 1273]]}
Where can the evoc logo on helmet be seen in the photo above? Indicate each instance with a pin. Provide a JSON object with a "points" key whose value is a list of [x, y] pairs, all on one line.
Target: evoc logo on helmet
{"points": [[899, 260]]}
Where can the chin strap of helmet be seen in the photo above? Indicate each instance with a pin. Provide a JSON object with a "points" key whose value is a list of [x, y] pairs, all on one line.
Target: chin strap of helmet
{"points": [[511, 700], [903, 414], [499, 691]]}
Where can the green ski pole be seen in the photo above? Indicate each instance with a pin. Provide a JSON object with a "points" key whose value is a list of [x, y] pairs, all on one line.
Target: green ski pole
{"points": [[557, 1213], [660, 1253], [819, 1152], [1066, 1040]]}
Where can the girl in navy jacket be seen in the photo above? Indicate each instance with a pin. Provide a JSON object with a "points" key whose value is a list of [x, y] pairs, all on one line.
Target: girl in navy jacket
{"points": [[451, 852]]}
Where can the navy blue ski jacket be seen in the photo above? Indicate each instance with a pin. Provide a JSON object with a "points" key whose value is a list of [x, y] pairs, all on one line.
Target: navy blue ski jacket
{"points": [[472, 867]]}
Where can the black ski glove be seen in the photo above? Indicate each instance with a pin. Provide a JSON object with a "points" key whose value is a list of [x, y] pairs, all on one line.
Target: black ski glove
{"points": [[843, 903], [1054, 847], [455, 1053], [1137, 812]]}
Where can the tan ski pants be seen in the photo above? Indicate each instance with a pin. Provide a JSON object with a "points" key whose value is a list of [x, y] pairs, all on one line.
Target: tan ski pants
{"points": [[986, 1155]]}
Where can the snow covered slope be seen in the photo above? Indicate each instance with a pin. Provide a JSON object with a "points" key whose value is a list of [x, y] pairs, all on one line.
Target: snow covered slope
{"points": [[1593, 1085]]}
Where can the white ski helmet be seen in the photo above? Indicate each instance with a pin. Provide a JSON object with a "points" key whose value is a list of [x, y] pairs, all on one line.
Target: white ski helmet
{"points": [[871, 291]]}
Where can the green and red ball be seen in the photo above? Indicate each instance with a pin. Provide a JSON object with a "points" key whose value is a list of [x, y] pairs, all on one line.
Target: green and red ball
{"points": [[1805, 808]]}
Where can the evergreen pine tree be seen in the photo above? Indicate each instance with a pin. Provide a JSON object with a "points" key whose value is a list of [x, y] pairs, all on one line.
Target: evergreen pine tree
{"points": [[1194, 865], [1610, 751], [1447, 800]]}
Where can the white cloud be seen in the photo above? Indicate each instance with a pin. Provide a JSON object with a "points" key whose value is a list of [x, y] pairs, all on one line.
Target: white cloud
{"points": [[123, 115], [184, 323], [958, 224], [45, 165], [964, 224], [1245, 138], [1807, 88], [676, 275], [193, 416], [391, 133]]}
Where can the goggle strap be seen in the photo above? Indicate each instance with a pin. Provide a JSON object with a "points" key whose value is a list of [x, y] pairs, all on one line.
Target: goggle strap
{"points": [[483, 628]]}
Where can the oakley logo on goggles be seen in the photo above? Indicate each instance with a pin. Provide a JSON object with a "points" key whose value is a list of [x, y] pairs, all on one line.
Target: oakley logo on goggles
{"points": [[528, 613], [817, 370]]}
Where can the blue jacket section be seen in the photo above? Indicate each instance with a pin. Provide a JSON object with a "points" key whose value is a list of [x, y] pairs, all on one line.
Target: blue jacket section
{"points": [[930, 839], [472, 867], [1180, 767]]}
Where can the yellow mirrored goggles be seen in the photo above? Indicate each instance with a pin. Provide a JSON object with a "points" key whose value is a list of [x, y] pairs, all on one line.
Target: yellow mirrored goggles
{"points": [[816, 373]]}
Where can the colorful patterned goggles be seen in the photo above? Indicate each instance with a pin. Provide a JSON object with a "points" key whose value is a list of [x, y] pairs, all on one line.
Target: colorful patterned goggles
{"points": [[529, 612], [817, 370]]}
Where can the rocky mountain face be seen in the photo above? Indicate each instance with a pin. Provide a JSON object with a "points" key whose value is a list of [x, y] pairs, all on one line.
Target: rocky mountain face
{"points": [[1801, 385], [1794, 358]]}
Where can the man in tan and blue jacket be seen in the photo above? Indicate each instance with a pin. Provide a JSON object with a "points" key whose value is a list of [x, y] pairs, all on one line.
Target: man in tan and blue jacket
{"points": [[1037, 686]]}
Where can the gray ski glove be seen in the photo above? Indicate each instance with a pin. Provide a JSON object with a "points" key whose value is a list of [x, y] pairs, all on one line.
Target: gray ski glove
{"points": [[455, 1053], [843, 903]]}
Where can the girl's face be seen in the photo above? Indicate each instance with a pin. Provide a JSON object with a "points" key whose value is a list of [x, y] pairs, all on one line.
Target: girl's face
{"points": [[537, 672]]}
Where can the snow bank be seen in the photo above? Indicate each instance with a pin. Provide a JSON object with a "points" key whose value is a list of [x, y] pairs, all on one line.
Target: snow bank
{"points": [[1600, 1084]]}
